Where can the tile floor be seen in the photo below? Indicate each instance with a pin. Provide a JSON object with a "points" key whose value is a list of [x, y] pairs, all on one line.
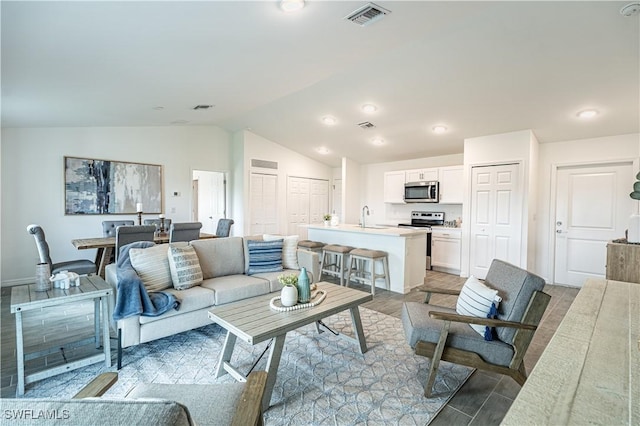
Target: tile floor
{"points": [[483, 400]]}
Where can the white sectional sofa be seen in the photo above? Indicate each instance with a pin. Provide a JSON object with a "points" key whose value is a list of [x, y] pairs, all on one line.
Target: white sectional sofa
{"points": [[224, 267]]}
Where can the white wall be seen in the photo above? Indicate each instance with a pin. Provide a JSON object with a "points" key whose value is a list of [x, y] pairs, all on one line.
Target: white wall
{"points": [[32, 182], [290, 163], [352, 189], [584, 151]]}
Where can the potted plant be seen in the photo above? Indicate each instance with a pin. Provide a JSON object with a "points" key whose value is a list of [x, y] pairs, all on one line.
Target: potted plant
{"points": [[289, 293], [327, 219]]}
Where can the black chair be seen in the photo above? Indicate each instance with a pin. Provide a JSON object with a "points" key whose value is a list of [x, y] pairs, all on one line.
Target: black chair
{"points": [[187, 231], [224, 227], [131, 234], [109, 226], [80, 266], [157, 223]]}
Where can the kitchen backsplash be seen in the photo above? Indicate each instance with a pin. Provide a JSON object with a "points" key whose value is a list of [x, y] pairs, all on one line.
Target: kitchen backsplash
{"points": [[399, 213]]}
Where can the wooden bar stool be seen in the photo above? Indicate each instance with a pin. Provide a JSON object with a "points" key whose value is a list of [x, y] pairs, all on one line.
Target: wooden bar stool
{"points": [[333, 260], [361, 258], [311, 246]]}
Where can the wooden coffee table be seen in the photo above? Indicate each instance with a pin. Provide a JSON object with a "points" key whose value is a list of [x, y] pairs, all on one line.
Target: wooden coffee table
{"points": [[253, 321]]}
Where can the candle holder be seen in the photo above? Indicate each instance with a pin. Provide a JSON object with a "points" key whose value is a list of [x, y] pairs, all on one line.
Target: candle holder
{"points": [[162, 225], [139, 218]]}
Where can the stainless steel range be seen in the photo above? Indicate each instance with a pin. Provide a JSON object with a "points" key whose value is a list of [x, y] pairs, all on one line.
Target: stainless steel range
{"points": [[421, 220]]}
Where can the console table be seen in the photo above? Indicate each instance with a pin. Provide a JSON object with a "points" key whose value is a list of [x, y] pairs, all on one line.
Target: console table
{"points": [[589, 373], [623, 262]]}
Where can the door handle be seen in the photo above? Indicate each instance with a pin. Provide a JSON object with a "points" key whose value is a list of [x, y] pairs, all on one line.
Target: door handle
{"points": [[559, 231]]}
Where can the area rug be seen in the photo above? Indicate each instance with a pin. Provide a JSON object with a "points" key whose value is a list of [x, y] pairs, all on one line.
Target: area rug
{"points": [[322, 380]]}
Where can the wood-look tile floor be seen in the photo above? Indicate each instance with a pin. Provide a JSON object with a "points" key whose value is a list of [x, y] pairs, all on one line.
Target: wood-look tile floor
{"points": [[483, 400]]}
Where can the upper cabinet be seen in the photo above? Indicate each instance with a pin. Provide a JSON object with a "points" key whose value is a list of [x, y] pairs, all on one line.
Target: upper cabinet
{"points": [[394, 187], [451, 188], [421, 174]]}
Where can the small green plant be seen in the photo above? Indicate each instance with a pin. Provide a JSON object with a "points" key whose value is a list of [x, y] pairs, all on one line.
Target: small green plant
{"points": [[636, 188], [288, 279], [327, 216]]}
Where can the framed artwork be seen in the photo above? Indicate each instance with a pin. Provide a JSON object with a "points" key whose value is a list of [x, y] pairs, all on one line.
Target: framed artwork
{"points": [[93, 186]]}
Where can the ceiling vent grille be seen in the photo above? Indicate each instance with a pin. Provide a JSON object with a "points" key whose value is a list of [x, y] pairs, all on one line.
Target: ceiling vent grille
{"points": [[367, 14], [366, 125], [202, 107], [264, 164]]}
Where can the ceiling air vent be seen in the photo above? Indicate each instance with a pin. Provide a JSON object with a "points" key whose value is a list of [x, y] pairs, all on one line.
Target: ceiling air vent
{"points": [[366, 125], [265, 164], [367, 14], [202, 107]]}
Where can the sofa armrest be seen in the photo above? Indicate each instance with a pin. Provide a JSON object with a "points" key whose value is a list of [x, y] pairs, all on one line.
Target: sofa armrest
{"points": [[311, 261]]}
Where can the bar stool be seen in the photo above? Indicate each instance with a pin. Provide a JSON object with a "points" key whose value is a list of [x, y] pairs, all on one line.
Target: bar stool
{"points": [[333, 260], [359, 257], [315, 246]]}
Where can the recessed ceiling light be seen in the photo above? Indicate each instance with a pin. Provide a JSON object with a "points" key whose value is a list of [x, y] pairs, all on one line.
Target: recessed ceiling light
{"points": [[587, 113], [369, 108], [439, 129], [322, 150], [329, 120], [291, 5], [377, 141]]}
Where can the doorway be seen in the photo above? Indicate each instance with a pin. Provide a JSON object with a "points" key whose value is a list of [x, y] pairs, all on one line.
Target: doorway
{"points": [[592, 208], [209, 199]]}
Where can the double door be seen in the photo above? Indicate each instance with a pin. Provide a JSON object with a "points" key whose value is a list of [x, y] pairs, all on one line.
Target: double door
{"points": [[307, 202]]}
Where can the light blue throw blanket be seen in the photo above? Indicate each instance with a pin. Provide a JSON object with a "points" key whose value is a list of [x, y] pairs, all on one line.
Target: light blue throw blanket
{"points": [[132, 298]]}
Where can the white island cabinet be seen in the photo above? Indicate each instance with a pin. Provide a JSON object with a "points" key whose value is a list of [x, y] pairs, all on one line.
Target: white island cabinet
{"points": [[406, 249]]}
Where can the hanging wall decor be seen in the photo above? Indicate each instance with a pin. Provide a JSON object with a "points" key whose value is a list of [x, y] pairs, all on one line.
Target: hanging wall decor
{"points": [[94, 186]]}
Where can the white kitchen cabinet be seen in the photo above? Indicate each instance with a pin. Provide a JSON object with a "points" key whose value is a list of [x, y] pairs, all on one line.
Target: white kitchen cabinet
{"points": [[446, 249], [394, 187], [417, 175], [451, 184]]}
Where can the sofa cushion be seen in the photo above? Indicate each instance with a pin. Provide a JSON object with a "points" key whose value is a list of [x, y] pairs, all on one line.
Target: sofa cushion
{"points": [[152, 266], [220, 256], [191, 299], [264, 256], [231, 288], [272, 277], [289, 249], [185, 267]]}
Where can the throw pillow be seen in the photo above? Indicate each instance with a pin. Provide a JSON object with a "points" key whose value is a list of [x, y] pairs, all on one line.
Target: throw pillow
{"points": [[478, 300], [185, 267], [152, 266], [289, 250], [264, 256]]}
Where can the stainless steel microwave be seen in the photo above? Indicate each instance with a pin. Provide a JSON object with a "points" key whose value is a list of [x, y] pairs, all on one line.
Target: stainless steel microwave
{"points": [[422, 192]]}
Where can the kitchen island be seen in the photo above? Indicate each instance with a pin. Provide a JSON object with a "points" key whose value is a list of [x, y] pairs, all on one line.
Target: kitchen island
{"points": [[406, 249]]}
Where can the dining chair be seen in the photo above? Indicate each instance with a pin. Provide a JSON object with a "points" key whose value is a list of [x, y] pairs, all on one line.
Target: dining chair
{"points": [[79, 266], [157, 223], [131, 233], [186, 231], [109, 226], [224, 227]]}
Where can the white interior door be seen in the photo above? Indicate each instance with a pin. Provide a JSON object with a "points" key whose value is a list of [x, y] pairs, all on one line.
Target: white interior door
{"points": [[298, 193], [209, 199], [496, 211], [264, 213], [319, 200], [337, 197], [592, 207]]}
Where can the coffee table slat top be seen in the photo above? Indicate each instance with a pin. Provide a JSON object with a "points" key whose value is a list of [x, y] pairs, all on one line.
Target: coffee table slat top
{"points": [[253, 320]]}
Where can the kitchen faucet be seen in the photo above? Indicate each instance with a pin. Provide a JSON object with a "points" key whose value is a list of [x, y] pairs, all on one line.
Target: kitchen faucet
{"points": [[362, 224]]}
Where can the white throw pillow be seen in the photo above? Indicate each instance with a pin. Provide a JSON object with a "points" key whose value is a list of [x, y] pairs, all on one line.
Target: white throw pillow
{"points": [[185, 267], [152, 266], [475, 300], [289, 249]]}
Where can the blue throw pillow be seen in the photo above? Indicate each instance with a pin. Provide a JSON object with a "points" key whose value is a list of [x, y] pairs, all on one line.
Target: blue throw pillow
{"points": [[264, 256]]}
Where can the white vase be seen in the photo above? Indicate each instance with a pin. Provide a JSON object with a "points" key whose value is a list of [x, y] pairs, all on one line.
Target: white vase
{"points": [[633, 235], [289, 295], [326, 223]]}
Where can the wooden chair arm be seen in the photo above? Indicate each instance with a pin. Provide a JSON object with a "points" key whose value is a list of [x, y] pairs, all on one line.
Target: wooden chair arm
{"points": [[437, 290], [446, 316], [249, 411], [98, 386]]}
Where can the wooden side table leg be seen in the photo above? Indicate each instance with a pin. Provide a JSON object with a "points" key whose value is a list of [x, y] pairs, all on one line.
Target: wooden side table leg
{"points": [[96, 321], [20, 354], [227, 351], [272, 369], [106, 338]]}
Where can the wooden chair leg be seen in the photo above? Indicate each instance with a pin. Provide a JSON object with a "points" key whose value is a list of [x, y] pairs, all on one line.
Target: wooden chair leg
{"points": [[435, 361]]}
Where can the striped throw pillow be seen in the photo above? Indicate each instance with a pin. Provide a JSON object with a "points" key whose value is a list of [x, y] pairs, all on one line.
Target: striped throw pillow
{"points": [[264, 256], [185, 267], [289, 250], [476, 300], [152, 266]]}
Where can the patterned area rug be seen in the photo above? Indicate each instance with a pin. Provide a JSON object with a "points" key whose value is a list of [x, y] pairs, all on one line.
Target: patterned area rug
{"points": [[322, 379]]}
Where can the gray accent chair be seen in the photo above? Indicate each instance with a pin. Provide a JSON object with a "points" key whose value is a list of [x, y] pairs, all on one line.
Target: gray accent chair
{"points": [[109, 226], [440, 333], [149, 404], [80, 266], [186, 231], [157, 223], [224, 227], [132, 233]]}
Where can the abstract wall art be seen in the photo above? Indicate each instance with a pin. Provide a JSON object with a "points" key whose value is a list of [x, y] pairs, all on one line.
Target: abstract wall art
{"points": [[93, 186]]}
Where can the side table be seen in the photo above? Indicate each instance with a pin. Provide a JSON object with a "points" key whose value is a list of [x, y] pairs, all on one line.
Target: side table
{"points": [[25, 298]]}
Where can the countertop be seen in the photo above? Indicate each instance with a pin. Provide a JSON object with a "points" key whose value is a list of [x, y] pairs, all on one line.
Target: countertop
{"points": [[392, 231]]}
